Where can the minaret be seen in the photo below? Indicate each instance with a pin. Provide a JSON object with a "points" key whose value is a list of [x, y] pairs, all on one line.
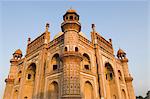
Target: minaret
{"points": [[128, 79], [93, 33], [17, 55], [71, 57], [47, 34]]}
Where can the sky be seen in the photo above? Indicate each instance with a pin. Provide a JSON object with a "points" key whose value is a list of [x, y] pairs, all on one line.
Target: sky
{"points": [[125, 22]]}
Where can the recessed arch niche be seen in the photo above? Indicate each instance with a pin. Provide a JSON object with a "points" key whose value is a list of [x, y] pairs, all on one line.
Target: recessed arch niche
{"points": [[88, 90], [53, 90]]}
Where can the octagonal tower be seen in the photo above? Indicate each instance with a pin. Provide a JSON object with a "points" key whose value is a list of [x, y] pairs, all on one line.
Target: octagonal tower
{"points": [[71, 57]]}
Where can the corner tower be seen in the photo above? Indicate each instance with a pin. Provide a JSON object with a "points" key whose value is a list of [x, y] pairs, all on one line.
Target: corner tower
{"points": [[71, 28], [71, 57], [17, 55], [128, 78]]}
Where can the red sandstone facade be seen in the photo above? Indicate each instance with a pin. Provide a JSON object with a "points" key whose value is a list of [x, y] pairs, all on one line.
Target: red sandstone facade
{"points": [[69, 67]]}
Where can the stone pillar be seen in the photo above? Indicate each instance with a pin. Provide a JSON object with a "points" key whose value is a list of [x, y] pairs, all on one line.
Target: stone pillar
{"points": [[100, 69], [100, 73], [40, 76]]}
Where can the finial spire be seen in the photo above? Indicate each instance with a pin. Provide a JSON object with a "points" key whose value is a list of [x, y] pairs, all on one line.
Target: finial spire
{"points": [[70, 7], [29, 40], [93, 27], [47, 27]]}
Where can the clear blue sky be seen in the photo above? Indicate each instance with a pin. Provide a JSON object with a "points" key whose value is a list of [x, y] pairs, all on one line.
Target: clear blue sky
{"points": [[126, 22]]}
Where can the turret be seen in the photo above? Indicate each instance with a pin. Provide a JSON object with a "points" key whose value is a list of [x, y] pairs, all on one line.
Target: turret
{"points": [[128, 79], [17, 55], [47, 34], [93, 34], [122, 55], [71, 21], [71, 28]]}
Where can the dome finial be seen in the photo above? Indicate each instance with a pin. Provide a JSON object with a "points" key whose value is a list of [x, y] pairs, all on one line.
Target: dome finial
{"points": [[29, 40], [47, 27], [93, 27], [70, 10], [70, 7]]}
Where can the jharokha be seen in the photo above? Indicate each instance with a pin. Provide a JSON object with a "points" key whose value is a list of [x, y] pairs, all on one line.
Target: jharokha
{"points": [[69, 67]]}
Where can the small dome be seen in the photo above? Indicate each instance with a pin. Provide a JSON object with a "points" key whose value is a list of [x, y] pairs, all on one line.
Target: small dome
{"points": [[71, 11], [120, 51], [18, 51], [82, 34], [61, 33], [58, 34]]}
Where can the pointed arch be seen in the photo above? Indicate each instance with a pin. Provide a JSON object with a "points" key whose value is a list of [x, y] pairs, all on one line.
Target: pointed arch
{"points": [[55, 61], [123, 94], [88, 90], [31, 72], [30, 78], [114, 97], [86, 62], [109, 72], [76, 49], [19, 76], [15, 95], [53, 90], [110, 81], [66, 49], [120, 75]]}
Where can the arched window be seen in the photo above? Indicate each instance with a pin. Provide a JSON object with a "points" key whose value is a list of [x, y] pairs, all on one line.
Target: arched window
{"points": [[119, 75], [30, 80], [55, 62], [66, 17], [25, 97], [109, 72], [66, 49], [76, 49], [71, 17], [53, 91], [75, 18], [19, 80], [86, 61], [110, 80], [88, 91], [20, 72], [123, 94], [15, 94], [31, 71], [114, 97], [29, 76], [19, 76]]}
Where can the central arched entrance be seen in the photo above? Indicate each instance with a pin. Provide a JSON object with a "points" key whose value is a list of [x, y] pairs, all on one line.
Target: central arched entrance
{"points": [[110, 81], [88, 90], [30, 81], [53, 91]]}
